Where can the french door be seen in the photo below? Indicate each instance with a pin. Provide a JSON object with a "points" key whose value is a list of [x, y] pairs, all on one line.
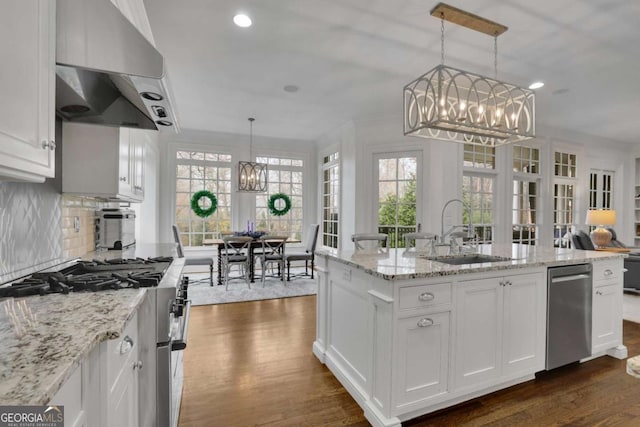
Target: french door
{"points": [[397, 177]]}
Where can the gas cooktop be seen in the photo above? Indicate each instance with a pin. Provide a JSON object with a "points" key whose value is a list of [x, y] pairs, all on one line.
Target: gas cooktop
{"points": [[93, 276]]}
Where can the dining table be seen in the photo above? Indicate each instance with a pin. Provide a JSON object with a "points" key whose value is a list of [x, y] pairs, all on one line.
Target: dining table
{"points": [[255, 243]]}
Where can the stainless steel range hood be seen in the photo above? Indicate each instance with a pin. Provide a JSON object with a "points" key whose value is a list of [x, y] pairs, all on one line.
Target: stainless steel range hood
{"points": [[108, 73]]}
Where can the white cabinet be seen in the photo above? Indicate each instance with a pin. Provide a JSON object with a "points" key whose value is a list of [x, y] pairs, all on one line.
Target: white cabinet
{"points": [[27, 112], [607, 306], [105, 162], [119, 369], [423, 358], [500, 328]]}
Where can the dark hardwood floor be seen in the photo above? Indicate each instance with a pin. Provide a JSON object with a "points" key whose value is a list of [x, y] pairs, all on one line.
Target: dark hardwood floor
{"points": [[250, 364]]}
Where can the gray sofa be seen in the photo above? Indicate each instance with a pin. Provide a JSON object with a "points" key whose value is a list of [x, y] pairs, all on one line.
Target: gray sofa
{"points": [[581, 240]]}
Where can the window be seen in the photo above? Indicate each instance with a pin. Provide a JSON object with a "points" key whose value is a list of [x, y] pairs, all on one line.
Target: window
{"points": [[478, 182], [477, 193], [526, 172], [285, 176], [197, 171], [563, 198], [396, 197], [601, 189], [330, 200]]}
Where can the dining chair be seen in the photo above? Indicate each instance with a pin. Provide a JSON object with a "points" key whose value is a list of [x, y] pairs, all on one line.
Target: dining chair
{"points": [[236, 251], [272, 253], [306, 256], [192, 260], [369, 241], [420, 243]]}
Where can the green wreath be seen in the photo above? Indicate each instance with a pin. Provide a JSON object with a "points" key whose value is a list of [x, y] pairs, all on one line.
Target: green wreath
{"points": [[272, 204], [195, 203]]}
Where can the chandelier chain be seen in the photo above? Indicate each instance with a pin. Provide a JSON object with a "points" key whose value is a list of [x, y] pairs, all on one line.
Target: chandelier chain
{"points": [[251, 119], [442, 38], [495, 57]]}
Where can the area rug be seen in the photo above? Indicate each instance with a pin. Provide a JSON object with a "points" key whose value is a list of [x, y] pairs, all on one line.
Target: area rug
{"points": [[201, 293]]}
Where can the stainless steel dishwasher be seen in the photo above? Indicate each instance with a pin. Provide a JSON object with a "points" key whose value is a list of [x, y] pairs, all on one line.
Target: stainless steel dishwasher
{"points": [[569, 303]]}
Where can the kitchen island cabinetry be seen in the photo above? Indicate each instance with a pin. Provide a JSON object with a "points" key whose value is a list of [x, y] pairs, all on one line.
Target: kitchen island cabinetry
{"points": [[500, 328], [607, 300], [407, 335], [27, 112], [105, 162]]}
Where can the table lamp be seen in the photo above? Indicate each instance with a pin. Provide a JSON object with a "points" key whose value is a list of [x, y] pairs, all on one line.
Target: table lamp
{"points": [[601, 217]]}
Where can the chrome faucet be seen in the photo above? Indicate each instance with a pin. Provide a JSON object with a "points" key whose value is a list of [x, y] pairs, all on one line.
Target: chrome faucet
{"points": [[470, 231]]}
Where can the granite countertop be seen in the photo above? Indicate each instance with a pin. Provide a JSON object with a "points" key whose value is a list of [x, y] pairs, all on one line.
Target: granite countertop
{"points": [[396, 264], [45, 338]]}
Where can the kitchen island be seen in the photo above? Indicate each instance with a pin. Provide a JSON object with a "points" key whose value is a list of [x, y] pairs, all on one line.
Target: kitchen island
{"points": [[407, 335], [46, 339]]}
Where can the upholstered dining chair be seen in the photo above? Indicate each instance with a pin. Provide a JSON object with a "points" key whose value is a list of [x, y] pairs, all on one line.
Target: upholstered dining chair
{"points": [[369, 241], [236, 251], [307, 255], [192, 260], [420, 243], [272, 253]]}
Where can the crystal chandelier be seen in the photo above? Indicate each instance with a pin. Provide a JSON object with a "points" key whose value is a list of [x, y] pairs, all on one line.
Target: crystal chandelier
{"points": [[455, 105], [252, 176]]}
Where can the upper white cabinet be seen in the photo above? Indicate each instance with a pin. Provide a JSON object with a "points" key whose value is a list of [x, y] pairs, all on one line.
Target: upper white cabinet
{"points": [[103, 161], [27, 113]]}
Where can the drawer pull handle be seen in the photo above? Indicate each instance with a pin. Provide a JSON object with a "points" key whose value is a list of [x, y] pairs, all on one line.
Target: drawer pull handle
{"points": [[598, 293], [424, 322], [427, 296], [608, 272], [126, 345], [137, 365]]}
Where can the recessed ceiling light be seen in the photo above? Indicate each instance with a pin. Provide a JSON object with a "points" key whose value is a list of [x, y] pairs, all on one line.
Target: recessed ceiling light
{"points": [[536, 85], [242, 20], [291, 88]]}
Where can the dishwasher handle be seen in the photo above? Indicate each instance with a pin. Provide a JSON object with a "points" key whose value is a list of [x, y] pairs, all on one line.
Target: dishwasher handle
{"points": [[561, 279]]}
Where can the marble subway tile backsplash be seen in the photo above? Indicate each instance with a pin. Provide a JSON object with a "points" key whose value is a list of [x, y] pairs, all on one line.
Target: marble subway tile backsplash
{"points": [[78, 225]]}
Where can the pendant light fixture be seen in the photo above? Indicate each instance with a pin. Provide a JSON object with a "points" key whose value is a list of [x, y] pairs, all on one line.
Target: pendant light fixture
{"points": [[455, 105], [252, 176]]}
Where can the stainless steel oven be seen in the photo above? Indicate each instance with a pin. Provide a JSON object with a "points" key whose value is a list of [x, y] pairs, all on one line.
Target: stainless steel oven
{"points": [[166, 316]]}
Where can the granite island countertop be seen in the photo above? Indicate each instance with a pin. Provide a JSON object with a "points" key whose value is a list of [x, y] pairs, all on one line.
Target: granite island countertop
{"points": [[45, 338], [397, 264]]}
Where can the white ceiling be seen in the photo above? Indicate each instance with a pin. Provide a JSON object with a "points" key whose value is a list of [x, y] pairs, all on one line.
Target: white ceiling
{"points": [[351, 59]]}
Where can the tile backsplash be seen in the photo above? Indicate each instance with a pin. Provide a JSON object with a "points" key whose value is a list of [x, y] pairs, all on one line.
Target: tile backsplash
{"points": [[78, 225], [30, 228]]}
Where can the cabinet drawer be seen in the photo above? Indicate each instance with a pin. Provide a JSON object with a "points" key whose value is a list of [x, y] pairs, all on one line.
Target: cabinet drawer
{"points": [[119, 351], [425, 296], [607, 270]]}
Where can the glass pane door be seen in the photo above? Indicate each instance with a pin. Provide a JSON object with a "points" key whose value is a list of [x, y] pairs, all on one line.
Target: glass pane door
{"points": [[397, 201]]}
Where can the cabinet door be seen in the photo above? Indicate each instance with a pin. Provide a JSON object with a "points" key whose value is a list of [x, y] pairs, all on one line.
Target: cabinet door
{"points": [[423, 358], [139, 139], [478, 331], [27, 85], [523, 324], [125, 184], [607, 317], [124, 401]]}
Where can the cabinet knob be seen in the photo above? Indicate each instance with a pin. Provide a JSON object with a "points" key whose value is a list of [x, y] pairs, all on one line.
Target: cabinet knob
{"points": [[608, 272], [137, 365], [51, 145], [426, 296], [424, 322], [126, 345]]}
